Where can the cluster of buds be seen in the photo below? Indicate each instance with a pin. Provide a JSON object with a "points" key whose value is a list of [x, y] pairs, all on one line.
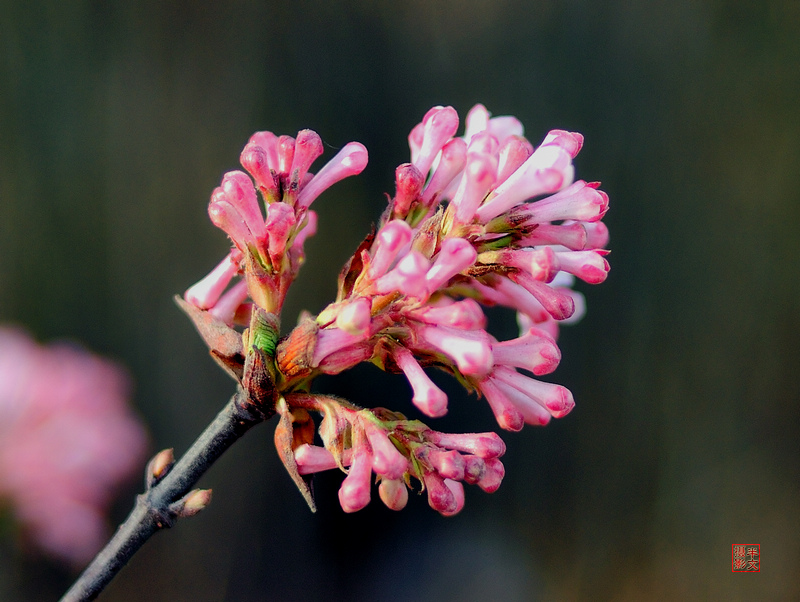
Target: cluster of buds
{"points": [[458, 234]]}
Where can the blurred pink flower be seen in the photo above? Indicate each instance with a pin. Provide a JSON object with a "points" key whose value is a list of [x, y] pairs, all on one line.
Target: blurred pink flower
{"points": [[67, 441]]}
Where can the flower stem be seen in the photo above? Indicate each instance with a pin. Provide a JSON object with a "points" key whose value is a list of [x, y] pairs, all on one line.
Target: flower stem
{"points": [[159, 507]]}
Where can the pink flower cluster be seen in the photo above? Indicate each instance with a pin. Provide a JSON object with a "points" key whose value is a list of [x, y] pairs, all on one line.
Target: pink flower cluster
{"points": [[481, 219], [416, 300], [271, 248], [67, 441]]}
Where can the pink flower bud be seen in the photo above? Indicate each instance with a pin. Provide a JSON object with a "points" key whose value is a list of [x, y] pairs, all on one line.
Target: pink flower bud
{"points": [[391, 238], [510, 294], [493, 476], [457, 489], [535, 351], [349, 161], [354, 493], [449, 464], [580, 201], [483, 143], [354, 318], [477, 120], [408, 185], [280, 222], [386, 460], [331, 340], [556, 399], [557, 303], [507, 415], [307, 147], [455, 255], [429, 398], [394, 493], [589, 266], [440, 124], [572, 142], [513, 153], [440, 497], [269, 142], [596, 235], [206, 293], [346, 358], [451, 163], [225, 217], [541, 263], [312, 458], [255, 160], [474, 469], [470, 350], [465, 315], [479, 176], [239, 192], [285, 153], [225, 309], [483, 445], [572, 235], [408, 277]]}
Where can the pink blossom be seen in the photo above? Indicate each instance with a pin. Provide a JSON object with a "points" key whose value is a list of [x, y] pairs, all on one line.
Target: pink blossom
{"points": [[429, 398], [67, 441]]}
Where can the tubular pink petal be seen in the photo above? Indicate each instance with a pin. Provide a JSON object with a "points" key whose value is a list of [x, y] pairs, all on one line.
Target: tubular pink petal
{"points": [[386, 460], [512, 155], [572, 142], [483, 445], [535, 351], [508, 416], [239, 192], [579, 201], [269, 142], [464, 315], [474, 469], [349, 161], [331, 340], [285, 148], [354, 494], [255, 160], [479, 176], [225, 308], [440, 124], [535, 182], [393, 493], [531, 410], [557, 303], [225, 217], [354, 318], [408, 186], [483, 143], [510, 294], [440, 497], [455, 255], [408, 277], [307, 147], [312, 458], [429, 398], [205, 293], [346, 358], [449, 464], [477, 120], [280, 222], [471, 351], [554, 398], [451, 163], [395, 235], [572, 235], [457, 489], [596, 235], [589, 266], [493, 477]]}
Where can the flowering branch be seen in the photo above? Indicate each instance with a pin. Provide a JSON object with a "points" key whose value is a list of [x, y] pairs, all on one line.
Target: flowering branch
{"points": [[458, 234]]}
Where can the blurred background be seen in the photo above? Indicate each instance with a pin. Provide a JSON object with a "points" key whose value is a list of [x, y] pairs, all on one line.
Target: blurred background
{"points": [[118, 119]]}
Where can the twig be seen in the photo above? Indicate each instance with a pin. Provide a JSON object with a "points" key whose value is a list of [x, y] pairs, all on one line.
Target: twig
{"points": [[160, 506]]}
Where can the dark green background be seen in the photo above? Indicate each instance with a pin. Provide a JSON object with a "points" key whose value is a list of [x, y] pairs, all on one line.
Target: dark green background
{"points": [[118, 119]]}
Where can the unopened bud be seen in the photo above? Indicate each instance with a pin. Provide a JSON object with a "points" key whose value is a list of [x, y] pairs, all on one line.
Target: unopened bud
{"points": [[159, 466], [194, 502]]}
